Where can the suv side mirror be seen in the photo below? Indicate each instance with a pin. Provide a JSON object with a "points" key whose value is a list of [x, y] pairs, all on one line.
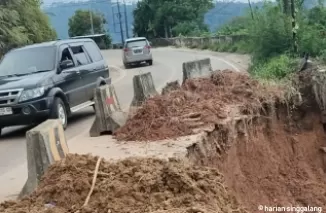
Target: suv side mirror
{"points": [[150, 43], [66, 64]]}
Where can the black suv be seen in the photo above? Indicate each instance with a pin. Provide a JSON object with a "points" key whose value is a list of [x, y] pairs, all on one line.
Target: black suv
{"points": [[49, 80]]}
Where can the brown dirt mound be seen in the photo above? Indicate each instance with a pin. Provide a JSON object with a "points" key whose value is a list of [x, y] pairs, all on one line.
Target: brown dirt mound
{"points": [[131, 185], [278, 161], [277, 165], [200, 102]]}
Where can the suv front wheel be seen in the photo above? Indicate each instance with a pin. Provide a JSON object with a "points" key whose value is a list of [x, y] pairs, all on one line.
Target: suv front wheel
{"points": [[59, 111]]}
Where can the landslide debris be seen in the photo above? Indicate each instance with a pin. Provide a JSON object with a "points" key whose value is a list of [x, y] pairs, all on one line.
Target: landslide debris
{"points": [[274, 163], [198, 103], [135, 185], [271, 160], [274, 160]]}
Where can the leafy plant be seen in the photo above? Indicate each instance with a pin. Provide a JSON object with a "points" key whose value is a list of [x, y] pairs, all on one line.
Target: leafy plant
{"points": [[270, 36], [274, 68], [23, 22], [167, 18], [80, 23], [322, 56]]}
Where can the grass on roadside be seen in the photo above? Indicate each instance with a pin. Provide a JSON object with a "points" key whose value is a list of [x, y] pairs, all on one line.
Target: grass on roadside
{"points": [[275, 68]]}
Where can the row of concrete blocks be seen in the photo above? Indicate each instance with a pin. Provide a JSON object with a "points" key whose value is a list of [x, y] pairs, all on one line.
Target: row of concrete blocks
{"points": [[46, 143], [110, 116]]}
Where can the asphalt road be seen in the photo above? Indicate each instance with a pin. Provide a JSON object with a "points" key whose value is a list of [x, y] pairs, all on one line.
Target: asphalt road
{"points": [[167, 66]]}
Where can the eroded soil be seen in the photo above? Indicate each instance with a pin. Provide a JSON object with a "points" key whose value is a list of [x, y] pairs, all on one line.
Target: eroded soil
{"points": [[261, 150], [198, 103], [130, 185]]}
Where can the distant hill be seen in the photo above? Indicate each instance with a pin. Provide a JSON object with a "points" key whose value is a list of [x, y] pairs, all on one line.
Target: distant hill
{"points": [[59, 14]]}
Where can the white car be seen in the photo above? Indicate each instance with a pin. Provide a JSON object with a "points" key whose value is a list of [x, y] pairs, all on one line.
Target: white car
{"points": [[135, 51]]}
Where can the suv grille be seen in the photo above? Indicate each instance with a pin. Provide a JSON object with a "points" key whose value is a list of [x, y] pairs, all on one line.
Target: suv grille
{"points": [[8, 97]]}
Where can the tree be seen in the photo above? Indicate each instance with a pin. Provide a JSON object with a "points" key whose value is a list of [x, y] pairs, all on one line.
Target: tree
{"points": [[23, 22], [35, 21], [164, 18], [189, 28], [237, 25], [80, 23]]}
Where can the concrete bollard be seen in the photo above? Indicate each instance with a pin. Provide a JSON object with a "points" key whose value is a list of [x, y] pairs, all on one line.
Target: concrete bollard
{"points": [[109, 115], [196, 69], [46, 144], [144, 88]]}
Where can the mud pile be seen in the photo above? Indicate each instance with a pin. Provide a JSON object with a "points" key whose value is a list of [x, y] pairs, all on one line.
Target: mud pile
{"points": [[268, 150], [197, 104], [272, 164], [273, 160], [131, 185]]}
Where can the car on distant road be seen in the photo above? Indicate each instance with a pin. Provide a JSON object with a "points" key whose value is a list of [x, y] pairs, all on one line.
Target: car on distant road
{"points": [[135, 51], [49, 80]]}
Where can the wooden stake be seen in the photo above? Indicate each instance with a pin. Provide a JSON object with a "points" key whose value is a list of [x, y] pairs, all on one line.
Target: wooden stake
{"points": [[93, 182]]}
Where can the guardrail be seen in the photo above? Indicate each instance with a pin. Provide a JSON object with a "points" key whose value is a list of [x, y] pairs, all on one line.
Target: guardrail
{"points": [[195, 41]]}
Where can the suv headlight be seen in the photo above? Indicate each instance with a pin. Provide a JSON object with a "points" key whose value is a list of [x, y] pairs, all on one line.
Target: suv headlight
{"points": [[31, 93]]}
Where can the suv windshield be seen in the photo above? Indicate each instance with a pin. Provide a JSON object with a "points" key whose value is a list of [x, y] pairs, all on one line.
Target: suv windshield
{"points": [[137, 43], [26, 61]]}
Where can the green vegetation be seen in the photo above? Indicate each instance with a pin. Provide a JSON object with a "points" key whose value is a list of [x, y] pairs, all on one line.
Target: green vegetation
{"points": [[80, 25], [276, 67], [167, 18], [241, 46], [23, 22], [274, 40], [269, 33]]}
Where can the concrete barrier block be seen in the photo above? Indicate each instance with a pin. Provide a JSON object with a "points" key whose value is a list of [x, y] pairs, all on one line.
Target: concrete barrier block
{"points": [[108, 113], [196, 69], [46, 144], [144, 88]]}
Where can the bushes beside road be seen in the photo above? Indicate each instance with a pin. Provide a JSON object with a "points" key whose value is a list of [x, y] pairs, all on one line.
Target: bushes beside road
{"points": [[273, 68], [271, 39]]}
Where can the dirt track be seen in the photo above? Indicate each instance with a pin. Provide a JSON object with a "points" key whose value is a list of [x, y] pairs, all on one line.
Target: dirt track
{"points": [[263, 151]]}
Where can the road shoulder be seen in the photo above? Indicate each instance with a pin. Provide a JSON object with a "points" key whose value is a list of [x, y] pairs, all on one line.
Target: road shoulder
{"points": [[241, 61]]}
